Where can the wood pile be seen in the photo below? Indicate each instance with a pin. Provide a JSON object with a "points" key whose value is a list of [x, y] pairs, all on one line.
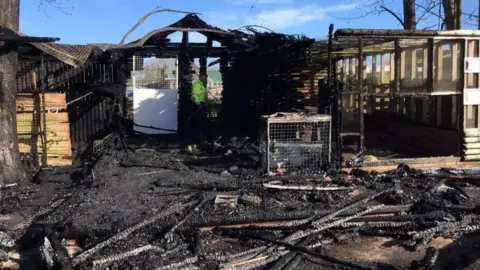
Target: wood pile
{"points": [[30, 127]]}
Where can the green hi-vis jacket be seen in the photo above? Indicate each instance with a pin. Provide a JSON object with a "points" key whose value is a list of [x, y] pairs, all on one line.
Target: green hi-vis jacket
{"points": [[199, 93]]}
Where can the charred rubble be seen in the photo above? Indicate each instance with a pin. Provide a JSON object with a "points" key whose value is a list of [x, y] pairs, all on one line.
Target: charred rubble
{"points": [[144, 208]]}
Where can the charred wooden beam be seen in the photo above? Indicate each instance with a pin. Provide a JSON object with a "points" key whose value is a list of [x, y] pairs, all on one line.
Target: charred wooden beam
{"points": [[123, 234], [194, 52], [8, 35], [330, 66], [361, 98], [193, 45]]}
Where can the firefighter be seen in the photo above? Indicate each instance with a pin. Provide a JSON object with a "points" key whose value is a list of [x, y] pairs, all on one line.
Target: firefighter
{"points": [[199, 99]]}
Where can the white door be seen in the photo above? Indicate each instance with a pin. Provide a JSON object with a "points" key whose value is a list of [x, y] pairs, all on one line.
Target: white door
{"points": [[155, 95]]}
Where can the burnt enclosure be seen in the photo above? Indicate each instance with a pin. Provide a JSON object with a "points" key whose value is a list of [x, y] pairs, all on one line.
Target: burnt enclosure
{"points": [[256, 70], [66, 93], [403, 93], [72, 90]]}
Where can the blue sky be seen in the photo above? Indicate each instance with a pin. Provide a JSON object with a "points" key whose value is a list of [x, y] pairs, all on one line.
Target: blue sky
{"points": [[106, 21]]}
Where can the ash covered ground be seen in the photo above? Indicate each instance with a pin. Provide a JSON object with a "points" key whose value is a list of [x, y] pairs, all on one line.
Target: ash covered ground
{"points": [[158, 206]]}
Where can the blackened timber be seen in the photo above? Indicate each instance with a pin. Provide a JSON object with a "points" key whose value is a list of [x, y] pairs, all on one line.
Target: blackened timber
{"points": [[184, 84], [429, 108], [397, 66], [8, 35], [191, 45], [329, 75], [173, 51], [336, 108], [361, 98], [430, 65], [43, 88], [342, 43], [461, 125]]}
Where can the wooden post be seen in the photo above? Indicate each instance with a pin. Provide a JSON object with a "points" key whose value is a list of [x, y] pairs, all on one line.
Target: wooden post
{"points": [[455, 73], [351, 81], [438, 77], [43, 86], [470, 82], [337, 106], [396, 67], [392, 69], [461, 112], [330, 67], [361, 97], [384, 89], [185, 108], [439, 66], [427, 115], [477, 83], [374, 82], [402, 72]]}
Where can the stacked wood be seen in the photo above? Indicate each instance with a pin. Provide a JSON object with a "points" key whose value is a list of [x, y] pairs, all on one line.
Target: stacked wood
{"points": [[25, 102], [30, 124]]}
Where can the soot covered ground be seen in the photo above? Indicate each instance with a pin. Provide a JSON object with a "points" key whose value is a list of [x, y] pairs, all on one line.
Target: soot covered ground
{"points": [[152, 207]]}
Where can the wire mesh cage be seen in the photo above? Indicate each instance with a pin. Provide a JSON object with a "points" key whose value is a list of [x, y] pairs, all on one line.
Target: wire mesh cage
{"points": [[294, 142], [154, 73], [155, 94]]}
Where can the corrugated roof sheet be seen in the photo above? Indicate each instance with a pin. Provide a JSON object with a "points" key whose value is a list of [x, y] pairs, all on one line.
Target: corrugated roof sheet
{"points": [[74, 55]]}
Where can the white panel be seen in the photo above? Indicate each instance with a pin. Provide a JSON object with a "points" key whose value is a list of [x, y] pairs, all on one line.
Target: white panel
{"points": [[155, 95], [472, 65], [157, 108], [471, 96]]}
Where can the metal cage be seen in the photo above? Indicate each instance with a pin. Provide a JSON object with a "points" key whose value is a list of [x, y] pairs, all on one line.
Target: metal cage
{"points": [[294, 142]]}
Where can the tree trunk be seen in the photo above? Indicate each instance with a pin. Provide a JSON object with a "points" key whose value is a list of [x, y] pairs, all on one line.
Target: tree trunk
{"points": [[453, 14], [409, 15], [11, 169]]}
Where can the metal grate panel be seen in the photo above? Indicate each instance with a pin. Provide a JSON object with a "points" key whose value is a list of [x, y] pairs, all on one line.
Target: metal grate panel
{"points": [[155, 73], [290, 142]]}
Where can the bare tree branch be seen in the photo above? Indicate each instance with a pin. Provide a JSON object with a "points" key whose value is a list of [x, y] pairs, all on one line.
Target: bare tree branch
{"points": [[57, 4], [427, 11], [370, 9], [142, 20], [393, 14]]}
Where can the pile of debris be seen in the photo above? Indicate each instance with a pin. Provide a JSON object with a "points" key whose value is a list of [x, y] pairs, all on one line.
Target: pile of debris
{"points": [[131, 216]]}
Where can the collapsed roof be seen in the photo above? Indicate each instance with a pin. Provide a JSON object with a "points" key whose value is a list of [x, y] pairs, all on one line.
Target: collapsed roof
{"points": [[76, 55]]}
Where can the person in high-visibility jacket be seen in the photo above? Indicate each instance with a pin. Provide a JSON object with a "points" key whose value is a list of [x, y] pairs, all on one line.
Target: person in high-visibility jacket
{"points": [[199, 98], [199, 91]]}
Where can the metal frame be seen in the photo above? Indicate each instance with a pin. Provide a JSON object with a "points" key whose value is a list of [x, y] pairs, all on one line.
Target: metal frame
{"points": [[268, 120]]}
